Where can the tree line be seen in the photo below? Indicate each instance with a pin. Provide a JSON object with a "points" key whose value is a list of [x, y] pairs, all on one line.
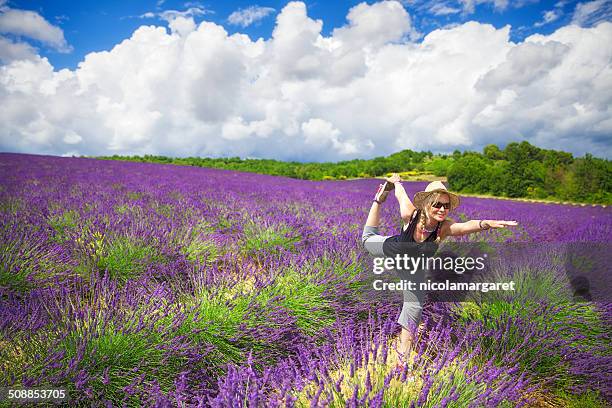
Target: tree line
{"points": [[520, 170]]}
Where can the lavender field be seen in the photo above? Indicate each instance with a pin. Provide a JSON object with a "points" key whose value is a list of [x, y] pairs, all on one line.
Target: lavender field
{"points": [[158, 285]]}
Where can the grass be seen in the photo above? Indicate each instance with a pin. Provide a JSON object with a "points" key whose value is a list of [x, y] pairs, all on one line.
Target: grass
{"points": [[176, 195], [215, 324], [115, 354], [107, 345], [344, 381], [123, 257], [14, 275], [307, 291], [260, 238], [304, 297], [196, 244], [221, 327], [134, 195], [199, 247], [589, 399], [63, 225], [201, 251], [112, 358], [165, 210], [563, 319], [129, 209], [19, 353], [20, 259], [12, 205], [352, 380], [223, 319]]}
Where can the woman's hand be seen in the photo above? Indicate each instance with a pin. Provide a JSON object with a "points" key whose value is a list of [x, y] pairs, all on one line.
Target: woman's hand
{"points": [[395, 178], [486, 224]]}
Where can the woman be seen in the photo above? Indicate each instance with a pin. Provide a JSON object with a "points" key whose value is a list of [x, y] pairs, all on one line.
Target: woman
{"points": [[425, 220]]}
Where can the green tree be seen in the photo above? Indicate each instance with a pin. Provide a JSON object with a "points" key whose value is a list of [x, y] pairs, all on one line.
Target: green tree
{"points": [[468, 174], [492, 152]]}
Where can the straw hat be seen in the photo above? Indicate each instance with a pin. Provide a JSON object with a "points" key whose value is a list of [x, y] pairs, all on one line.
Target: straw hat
{"points": [[435, 187]]}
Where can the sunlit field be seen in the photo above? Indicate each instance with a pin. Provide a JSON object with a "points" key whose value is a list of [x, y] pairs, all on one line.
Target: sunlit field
{"points": [[146, 284]]}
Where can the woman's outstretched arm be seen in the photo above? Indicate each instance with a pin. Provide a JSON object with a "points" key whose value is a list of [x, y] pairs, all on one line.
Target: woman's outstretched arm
{"points": [[451, 228], [406, 206]]}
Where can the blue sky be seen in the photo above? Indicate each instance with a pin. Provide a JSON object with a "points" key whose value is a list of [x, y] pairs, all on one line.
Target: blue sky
{"points": [[95, 26], [304, 80]]}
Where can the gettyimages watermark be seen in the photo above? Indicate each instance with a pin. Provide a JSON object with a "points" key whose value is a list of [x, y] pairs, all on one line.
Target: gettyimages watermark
{"points": [[417, 265], [412, 264], [491, 271]]}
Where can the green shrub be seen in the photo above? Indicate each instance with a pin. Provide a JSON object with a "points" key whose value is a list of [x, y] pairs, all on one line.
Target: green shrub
{"points": [[63, 225], [259, 237], [124, 259]]}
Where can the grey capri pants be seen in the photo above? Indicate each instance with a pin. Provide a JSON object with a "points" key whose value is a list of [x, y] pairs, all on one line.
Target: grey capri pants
{"points": [[412, 308]]}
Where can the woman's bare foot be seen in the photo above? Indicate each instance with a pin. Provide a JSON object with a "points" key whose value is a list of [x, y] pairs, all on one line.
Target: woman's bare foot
{"points": [[381, 193]]}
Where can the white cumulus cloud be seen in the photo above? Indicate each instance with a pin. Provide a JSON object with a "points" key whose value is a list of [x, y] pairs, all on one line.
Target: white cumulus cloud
{"points": [[32, 25], [246, 17], [364, 90], [192, 10], [442, 9], [549, 16], [469, 6], [590, 13], [15, 50]]}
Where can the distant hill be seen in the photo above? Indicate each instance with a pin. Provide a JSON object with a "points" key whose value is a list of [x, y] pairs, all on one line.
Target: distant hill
{"points": [[520, 170]]}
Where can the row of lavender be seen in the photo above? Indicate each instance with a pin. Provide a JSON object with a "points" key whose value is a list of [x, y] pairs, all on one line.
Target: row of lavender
{"points": [[138, 283]]}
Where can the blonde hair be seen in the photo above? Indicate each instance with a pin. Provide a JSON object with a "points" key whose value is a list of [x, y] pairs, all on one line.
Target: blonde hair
{"points": [[426, 204]]}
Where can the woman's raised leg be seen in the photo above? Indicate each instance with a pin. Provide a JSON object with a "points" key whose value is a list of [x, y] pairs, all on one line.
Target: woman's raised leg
{"points": [[371, 238], [373, 216]]}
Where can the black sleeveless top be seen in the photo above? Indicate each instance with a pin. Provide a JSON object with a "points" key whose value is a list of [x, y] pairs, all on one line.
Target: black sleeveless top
{"points": [[407, 234], [393, 245]]}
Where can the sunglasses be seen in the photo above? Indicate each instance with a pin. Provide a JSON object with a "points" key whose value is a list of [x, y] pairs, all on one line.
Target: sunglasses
{"points": [[438, 204]]}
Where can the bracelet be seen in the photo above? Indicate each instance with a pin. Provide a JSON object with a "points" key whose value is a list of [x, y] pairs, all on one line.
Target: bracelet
{"points": [[481, 227]]}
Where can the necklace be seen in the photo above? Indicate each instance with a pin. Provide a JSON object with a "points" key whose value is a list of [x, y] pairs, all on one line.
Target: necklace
{"points": [[426, 230]]}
